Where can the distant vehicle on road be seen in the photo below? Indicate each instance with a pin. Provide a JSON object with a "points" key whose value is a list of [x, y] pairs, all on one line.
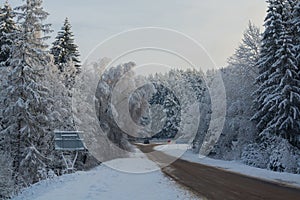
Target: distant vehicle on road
{"points": [[146, 141]]}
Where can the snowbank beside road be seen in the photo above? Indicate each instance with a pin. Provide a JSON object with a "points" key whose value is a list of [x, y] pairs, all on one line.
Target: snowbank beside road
{"points": [[176, 150], [233, 166], [136, 163], [106, 183]]}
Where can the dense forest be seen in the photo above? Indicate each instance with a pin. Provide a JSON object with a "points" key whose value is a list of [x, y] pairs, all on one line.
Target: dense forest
{"points": [[37, 81]]}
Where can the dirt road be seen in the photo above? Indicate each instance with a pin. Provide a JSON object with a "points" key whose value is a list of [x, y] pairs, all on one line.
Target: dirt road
{"points": [[214, 183]]}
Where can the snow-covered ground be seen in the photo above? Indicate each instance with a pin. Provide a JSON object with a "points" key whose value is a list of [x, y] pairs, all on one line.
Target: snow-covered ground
{"points": [[233, 166], [104, 183], [176, 150], [136, 163]]}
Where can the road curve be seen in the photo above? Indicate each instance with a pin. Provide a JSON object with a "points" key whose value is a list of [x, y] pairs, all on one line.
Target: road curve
{"points": [[214, 183]]}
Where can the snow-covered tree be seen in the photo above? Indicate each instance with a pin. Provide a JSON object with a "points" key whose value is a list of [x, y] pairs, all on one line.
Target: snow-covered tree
{"points": [[3, 81], [109, 110], [247, 53], [68, 76], [171, 109], [295, 22], [273, 27], [278, 155], [62, 108], [139, 107], [287, 92], [180, 98], [278, 95], [6, 181], [238, 130], [66, 55], [7, 27], [238, 76], [64, 49], [26, 100], [85, 117]]}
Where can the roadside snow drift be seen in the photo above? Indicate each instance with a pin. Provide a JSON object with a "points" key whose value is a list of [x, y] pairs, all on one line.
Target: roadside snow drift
{"points": [[106, 183]]}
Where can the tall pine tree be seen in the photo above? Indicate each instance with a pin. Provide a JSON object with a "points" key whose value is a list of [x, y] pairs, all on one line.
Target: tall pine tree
{"points": [[26, 100], [64, 49], [273, 26], [7, 26], [278, 95]]}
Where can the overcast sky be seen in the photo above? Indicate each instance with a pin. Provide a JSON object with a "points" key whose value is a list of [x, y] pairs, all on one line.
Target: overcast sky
{"points": [[217, 24]]}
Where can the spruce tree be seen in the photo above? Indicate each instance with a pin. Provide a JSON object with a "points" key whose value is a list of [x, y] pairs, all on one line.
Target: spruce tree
{"points": [[7, 27], [287, 93], [278, 95], [273, 26], [27, 103], [64, 49]]}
